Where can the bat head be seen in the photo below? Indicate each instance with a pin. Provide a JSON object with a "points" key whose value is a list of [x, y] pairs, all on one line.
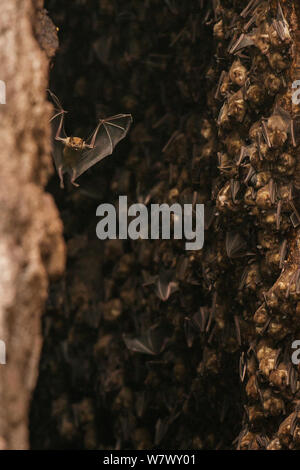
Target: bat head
{"points": [[76, 143]]}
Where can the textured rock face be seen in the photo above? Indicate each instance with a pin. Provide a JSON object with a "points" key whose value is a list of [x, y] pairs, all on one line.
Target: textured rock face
{"points": [[31, 244]]}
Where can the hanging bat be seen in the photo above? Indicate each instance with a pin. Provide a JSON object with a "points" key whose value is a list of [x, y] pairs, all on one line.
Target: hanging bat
{"points": [[264, 35], [276, 128], [74, 155]]}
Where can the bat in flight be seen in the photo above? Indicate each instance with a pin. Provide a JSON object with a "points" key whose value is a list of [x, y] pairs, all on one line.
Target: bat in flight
{"points": [[74, 155]]}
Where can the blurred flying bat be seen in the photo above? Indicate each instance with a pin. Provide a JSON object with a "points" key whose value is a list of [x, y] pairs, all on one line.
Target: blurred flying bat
{"points": [[74, 155]]}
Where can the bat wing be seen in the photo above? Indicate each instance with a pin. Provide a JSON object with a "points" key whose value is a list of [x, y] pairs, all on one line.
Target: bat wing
{"points": [[106, 136], [291, 124], [265, 133], [284, 114], [243, 41], [281, 25]]}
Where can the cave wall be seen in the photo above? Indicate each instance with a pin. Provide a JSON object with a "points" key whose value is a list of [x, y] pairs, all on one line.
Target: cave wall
{"points": [[220, 374]]}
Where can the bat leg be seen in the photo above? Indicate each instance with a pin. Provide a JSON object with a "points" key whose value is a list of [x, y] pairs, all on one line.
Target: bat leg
{"points": [[73, 178], [61, 178]]}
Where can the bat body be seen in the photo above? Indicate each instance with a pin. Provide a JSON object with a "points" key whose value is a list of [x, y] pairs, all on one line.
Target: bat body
{"points": [[274, 34], [74, 155]]}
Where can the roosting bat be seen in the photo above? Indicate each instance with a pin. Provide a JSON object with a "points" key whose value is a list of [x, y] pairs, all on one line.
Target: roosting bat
{"points": [[262, 36], [74, 155]]}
